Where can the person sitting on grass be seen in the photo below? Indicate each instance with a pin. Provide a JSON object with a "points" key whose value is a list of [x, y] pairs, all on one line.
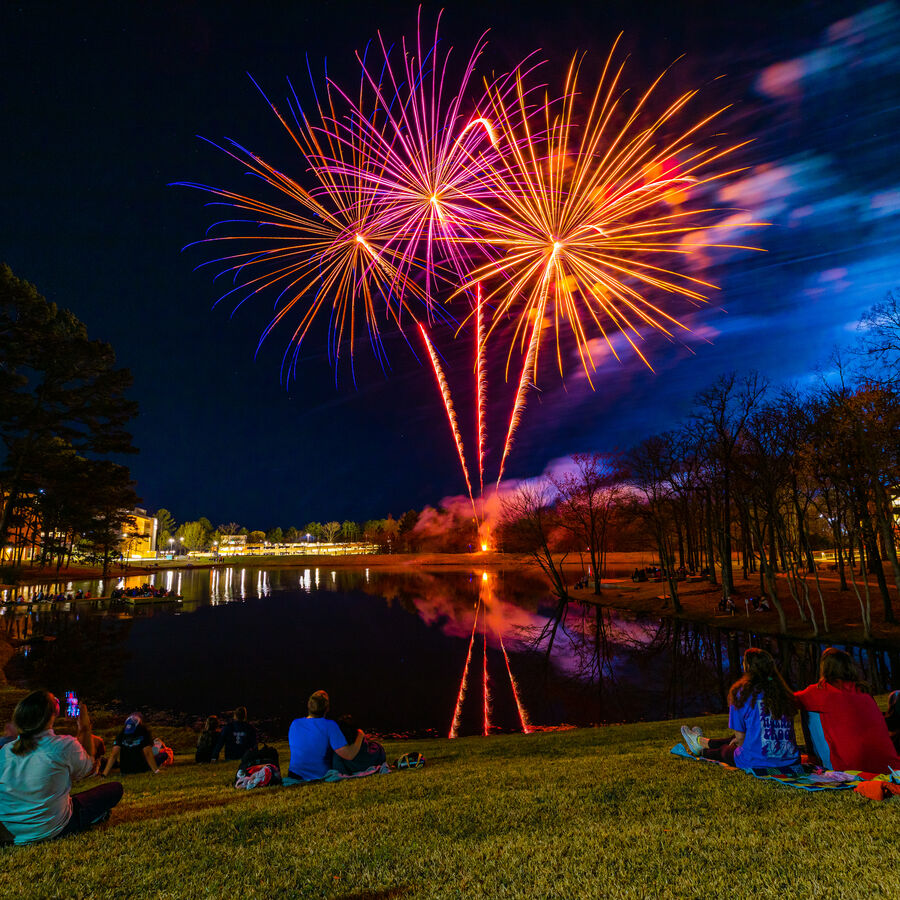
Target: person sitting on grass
{"points": [[207, 741], [237, 737], [892, 719], [37, 771], [133, 750], [312, 739], [761, 708], [370, 753], [855, 730]]}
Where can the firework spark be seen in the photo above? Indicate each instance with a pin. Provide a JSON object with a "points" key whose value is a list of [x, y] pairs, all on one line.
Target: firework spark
{"points": [[523, 716], [582, 206], [451, 412], [480, 386], [427, 152], [486, 682], [464, 681]]}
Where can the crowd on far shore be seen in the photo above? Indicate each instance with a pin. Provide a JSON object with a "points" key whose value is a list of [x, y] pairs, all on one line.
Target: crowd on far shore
{"points": [[843, 727]]}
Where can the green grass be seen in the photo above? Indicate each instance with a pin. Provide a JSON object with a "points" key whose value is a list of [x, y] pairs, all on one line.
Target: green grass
{"points": [[603, 812]]}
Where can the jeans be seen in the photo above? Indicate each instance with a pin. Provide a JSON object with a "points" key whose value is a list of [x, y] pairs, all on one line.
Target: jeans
{"points": [[720, 749], [90, 807]]}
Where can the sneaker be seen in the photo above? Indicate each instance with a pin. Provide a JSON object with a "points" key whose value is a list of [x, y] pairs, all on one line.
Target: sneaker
{"points": [[696, 730], [691, 740]]}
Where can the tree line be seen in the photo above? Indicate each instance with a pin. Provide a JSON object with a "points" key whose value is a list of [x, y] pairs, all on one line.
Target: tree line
{"points": [[755, 477], [389, 534]]}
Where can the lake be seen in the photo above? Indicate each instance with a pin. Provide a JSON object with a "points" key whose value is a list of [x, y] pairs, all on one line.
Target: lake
{"points": [[391, 648]]}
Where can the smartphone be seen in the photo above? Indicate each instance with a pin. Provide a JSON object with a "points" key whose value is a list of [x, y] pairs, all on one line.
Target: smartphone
{"points": [[72, 707]]}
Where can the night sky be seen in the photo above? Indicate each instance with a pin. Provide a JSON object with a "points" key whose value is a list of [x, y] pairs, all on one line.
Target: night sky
{"points": [[101, 108]]}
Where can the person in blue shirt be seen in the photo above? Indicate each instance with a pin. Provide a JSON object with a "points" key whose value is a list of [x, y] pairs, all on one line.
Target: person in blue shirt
{"points": [[312, 739], [761, 710]]}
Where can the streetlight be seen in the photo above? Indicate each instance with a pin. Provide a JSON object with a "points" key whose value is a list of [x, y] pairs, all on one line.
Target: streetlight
{"points": [[182, 545], [171, 541]]}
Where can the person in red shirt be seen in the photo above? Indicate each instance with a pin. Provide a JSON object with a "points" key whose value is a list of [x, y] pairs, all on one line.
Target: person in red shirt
{"points": [[851, 721]]}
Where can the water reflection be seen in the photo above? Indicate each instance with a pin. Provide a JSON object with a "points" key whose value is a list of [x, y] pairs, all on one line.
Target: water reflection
{"points": [[426, 651]]}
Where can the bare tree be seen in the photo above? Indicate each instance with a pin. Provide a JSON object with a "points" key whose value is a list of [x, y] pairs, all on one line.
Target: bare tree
{"points": [[721, 412], [588, 497], [529, 520], [879, 345]]}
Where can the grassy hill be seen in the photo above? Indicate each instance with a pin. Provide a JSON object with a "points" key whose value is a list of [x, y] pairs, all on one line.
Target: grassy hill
{"points": [[603, 812]]}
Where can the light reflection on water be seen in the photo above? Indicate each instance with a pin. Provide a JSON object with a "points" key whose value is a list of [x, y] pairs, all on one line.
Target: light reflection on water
{"points": [[389, 646]]}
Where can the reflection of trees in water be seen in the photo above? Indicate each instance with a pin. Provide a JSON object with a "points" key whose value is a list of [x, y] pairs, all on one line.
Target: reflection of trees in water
{"points": [[665, 668], [70, 644]]}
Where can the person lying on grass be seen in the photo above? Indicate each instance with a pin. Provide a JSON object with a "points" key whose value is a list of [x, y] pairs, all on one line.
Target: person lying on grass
{"points": [[37, 771], [857, 734], [312, 739], [761, 709]]}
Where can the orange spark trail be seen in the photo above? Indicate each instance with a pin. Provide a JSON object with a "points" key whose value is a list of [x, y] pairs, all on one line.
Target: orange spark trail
{"points": [[457, 713], [488, 130], [523, 716], [487, 696], [525, 381], [481, 386], [451, 413]]}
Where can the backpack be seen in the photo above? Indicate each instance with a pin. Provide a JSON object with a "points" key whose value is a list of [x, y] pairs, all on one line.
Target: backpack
{"points": [[258, 776], [262, 756], [165, 756], [258, 768]]}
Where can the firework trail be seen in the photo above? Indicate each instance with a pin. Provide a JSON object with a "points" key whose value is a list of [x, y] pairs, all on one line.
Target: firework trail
{"points": [[526, 380], [487, 695], [523, 716], [451, 412], [480, 387], [457, 713]]}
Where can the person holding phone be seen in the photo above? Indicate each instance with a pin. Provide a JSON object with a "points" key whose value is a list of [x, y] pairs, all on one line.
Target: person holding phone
{"points": [[37, 771]]}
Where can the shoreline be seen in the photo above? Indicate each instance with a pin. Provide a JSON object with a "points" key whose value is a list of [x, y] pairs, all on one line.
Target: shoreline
{"points": [[699, 599]]}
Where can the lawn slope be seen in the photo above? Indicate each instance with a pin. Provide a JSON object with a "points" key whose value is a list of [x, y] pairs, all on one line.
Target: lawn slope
{"points": [[603, 812]]}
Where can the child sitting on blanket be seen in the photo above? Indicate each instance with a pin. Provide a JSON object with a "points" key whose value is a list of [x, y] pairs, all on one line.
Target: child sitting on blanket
{"points": [[761, 709]]}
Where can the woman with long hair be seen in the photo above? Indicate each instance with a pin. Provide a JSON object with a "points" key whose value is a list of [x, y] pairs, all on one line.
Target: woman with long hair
{"points": [[854, 728], [761, 710], [37, 771]]}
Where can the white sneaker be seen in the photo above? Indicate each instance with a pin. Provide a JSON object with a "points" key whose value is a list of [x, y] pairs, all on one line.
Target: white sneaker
{"points": [[691, 740]]}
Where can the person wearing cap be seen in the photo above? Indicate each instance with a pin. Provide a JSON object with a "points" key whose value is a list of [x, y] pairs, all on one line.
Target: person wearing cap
{"points": [[133, 749], [37, 771], [312, 739]]}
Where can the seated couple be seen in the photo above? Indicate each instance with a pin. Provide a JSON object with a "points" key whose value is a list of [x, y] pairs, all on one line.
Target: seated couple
{"points": [[318, 744], [761, 709]]}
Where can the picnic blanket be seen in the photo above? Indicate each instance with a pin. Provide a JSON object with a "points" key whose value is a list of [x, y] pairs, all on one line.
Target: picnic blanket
{"points": [[334, 775], [804, 777]]}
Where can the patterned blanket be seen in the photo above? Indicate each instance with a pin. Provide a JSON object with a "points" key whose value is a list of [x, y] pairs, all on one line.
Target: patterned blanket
{"points": [[805, 777]]}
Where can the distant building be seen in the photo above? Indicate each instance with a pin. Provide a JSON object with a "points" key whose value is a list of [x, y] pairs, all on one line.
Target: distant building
{"points": [[232, 544], [139, 537]]}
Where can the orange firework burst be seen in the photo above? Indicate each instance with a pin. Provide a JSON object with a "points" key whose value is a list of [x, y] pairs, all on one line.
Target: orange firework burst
{"points": [[322, 249], [584, 205]]}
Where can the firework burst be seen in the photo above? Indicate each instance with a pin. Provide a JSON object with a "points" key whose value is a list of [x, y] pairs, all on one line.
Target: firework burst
{"points": [[586, 204]]}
